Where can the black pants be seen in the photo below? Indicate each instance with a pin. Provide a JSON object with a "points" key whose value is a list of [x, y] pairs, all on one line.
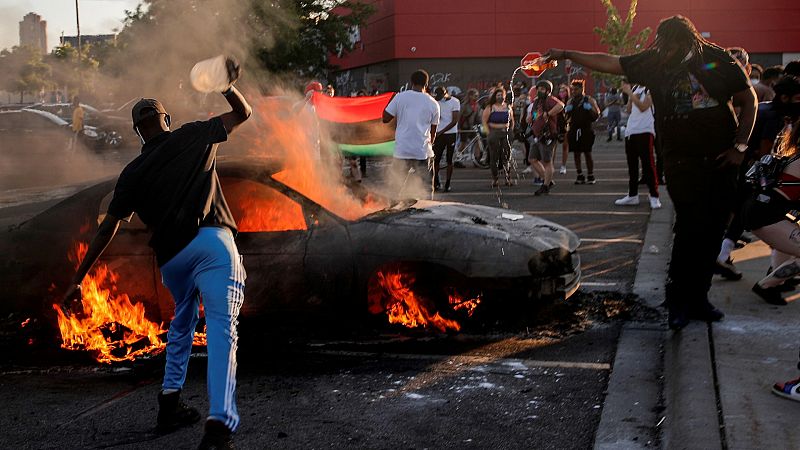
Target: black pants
{"points": [[443, 145], [703, 195], [737, 226], [639, 147]]}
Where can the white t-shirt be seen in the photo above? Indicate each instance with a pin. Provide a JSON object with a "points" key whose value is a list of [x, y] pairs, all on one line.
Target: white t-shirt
{"points": [[640, 122], [415, 112], [446, 109]]}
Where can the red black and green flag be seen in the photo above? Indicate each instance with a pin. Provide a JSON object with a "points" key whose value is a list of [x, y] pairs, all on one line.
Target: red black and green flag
{"points": [[355, 123]]}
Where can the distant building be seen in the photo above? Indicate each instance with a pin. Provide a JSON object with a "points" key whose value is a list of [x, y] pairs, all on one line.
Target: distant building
{"points": [[33, 32], [88, 39]]}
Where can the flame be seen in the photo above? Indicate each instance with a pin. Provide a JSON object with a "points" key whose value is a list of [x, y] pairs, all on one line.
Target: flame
{"points": [[393, 294], [459, 302], [200, 339], [292, 132], [260, 208], [109, 324], [25, 323]]}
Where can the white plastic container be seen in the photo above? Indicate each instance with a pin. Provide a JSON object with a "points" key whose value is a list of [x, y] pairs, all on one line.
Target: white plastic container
{"points": [[210, 75]]}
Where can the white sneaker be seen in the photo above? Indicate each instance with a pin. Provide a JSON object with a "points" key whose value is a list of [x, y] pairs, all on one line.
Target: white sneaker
{"points": [[655, 203], [562, 170], [628, 201], [528, 169]]}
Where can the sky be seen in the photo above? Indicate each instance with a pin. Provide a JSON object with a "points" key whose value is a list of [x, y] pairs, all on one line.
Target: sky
{"points": [[97, 17]]}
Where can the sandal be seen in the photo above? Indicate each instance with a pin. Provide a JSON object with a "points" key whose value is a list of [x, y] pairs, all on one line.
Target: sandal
{"points": [[789, 389]]}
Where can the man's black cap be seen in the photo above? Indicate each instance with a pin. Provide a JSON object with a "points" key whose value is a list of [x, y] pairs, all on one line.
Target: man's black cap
{"points": [[145, 108]]}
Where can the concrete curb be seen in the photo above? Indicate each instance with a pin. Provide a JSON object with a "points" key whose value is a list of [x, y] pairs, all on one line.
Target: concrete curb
{"points": [[630, 417]]}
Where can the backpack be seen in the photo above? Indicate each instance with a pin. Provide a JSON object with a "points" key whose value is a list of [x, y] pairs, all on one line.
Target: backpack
{"points": [[764, 174]]}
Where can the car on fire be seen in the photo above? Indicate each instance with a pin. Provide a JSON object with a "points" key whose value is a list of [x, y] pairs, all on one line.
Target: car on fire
{"points": [[303, 258]]}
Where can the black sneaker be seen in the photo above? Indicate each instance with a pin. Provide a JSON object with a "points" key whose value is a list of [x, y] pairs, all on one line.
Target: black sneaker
{"points": [[705, 312], [590, 179], [770, 295], [552, 183], [542, 190], [447, 187], [173, 413], [727, 270], [677, 319], [216, 437], [581, 179]]}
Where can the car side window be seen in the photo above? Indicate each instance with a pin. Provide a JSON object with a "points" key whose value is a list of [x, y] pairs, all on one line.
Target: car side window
{"points": [[257, 207]]}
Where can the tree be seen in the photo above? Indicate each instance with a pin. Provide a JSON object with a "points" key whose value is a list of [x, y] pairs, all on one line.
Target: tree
{"points": [[318, 28], [25, 71], [618, 36], [71, 73]]}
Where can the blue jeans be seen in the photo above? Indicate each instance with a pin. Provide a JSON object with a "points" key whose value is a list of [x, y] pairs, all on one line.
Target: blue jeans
{"points": [[209, 268]]}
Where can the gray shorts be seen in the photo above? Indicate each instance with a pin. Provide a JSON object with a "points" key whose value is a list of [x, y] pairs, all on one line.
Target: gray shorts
{"points": [[543, 152]]}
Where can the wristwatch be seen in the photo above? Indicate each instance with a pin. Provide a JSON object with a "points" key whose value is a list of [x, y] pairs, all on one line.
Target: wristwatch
{"points": [[741, 147]]}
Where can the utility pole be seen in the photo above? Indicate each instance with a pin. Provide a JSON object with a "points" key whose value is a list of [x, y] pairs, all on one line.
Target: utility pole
{"points": [[78, 21]]}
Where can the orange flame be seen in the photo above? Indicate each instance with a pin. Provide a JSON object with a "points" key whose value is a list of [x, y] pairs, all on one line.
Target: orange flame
{"points": [[260, 208], [109, 323], [458, 302], [293, 133], [394, 295]]}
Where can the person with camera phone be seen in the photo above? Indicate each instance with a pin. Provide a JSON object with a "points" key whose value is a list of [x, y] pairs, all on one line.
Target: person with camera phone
{"points": [[542, 114]]}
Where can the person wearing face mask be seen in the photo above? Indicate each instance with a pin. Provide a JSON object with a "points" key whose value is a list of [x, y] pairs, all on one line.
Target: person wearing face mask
{"points": [[770, 120], [563, 97], [694, 85], [498, 119], [449, 112], [582, 111], [542, 116]]}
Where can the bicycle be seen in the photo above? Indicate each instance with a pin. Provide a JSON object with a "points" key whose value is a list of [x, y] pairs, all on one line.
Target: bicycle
{"points": [[474, 151]]}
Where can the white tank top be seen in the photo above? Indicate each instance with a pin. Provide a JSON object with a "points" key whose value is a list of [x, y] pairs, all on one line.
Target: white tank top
{"points": [[640, 122]]}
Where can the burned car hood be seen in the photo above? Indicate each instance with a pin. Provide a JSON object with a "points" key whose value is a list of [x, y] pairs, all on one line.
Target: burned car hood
{"points": [[489, 222]]}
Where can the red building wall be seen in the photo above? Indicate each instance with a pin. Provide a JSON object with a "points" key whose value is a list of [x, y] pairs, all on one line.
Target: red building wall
{"points": [[418, 29]]}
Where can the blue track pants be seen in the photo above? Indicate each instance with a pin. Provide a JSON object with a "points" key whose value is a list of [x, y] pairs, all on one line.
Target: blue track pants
{"points": [[209, 268]]}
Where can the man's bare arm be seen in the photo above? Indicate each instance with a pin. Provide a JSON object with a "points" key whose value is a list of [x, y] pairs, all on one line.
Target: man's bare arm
{"points": [[105, 233], [387, 117], [748, 103], [602, 62], [456, 116], [240, 112], [642, 105]]}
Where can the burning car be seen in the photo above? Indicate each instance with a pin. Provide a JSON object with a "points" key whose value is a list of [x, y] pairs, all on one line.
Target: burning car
{"points": [[309, 259]]}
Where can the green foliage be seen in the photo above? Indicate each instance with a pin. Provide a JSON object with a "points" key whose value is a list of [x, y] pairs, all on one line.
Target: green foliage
{"points": [[317, 29], [618, 36], [24, 71]]}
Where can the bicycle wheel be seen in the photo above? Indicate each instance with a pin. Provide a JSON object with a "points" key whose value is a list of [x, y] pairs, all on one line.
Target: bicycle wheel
{"points": [[478, 150]]}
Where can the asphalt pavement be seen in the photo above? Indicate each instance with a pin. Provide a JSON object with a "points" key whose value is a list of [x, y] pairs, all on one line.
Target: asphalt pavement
{"points": [[562, 383]]}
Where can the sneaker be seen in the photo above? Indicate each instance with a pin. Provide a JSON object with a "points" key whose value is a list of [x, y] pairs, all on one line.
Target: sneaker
{"points": [[528, 169], [590, 180], [537, 181], [542, 190], [447, 187], [627, 200], [216, 437], [789, 389], [705, 312], [552, 183], [655, 203], [727, 270], [677, 319], [173, 413], [563, 170], [609, 139], [581, 179], [770, 295]]}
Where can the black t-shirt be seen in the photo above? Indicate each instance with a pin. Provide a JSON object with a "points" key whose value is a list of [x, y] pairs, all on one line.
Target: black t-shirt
{"points": [[692, 101], [174, 188]]}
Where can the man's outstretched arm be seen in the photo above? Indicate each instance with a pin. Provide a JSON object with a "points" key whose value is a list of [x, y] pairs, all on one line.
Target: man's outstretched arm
{"points": [[105, 233], [240, 112], [602, 62]]}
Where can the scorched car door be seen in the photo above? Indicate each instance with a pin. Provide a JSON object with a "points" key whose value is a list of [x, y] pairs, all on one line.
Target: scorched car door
{"points": [[272, 240]]}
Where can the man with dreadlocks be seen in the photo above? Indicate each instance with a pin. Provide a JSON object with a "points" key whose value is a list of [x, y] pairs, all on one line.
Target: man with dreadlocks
{"points": [[695, 85]]}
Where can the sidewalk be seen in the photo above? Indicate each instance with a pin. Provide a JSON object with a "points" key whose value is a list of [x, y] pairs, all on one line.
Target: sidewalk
{"points": [[716, 378]]}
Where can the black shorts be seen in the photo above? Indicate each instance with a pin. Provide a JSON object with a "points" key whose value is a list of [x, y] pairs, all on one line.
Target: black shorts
{"points": [[584, 143], [442, 142], [764, 208]]}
